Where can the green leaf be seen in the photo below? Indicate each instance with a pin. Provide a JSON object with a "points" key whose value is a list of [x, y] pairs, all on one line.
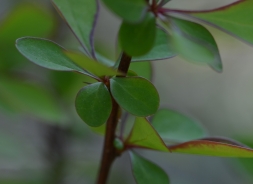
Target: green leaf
{"points": [[175, 126], [47, 54], [99, 130], [143, 69], [212, 148], [135, 94], [146, 172], [144, 135], [94, 104], [129, 10], [81, 17], [90, 65], [30, 99], [161, 49], [138, 39], [23, 20], [195, 43], [235, 19]]}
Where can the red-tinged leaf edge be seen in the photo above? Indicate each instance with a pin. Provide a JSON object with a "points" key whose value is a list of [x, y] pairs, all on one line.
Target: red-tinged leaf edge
{"points": [[212, 143], [187, 13], [92, 33]]}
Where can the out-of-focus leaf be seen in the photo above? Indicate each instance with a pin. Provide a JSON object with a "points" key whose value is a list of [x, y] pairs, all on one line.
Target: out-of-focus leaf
{"points": [[90, 65], [99, 130], [146, 172], [24, 20], [30, 99], [135, 94], [174, 126], [138, 39], [161, 49], [129, 10], [47, 54], [195, 43], [163, 2], [212, 148], [94, 104], [144, 135], [143, 69], [235, 19], [81, 17]]}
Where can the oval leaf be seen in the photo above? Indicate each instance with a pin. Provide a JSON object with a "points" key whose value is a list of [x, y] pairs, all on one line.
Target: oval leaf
{"points": [[135, 94], [81, 17], [235, 19], [144, 135], [146, 172], [195, 43], [212, 148], [94, 104], [175, 126], [161, 49], [129, 10], [90, 65], [47, 54], [138, 39]]}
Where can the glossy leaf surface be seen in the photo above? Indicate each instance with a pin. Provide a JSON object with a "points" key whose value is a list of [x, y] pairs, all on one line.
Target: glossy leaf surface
{"points": [[93, 104], [129, 10], [23, 97], [135, 94], [146, 172], [144, 135], [23, 20], [161, 49], [195, 43], [47, 54], [90, 65], [174, 126], [81, 17], [138, 39], [212, 148], [235, 19], [143, 69]]}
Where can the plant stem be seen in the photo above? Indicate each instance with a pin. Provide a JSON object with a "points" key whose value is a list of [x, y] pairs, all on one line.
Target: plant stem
{"points": [[109, 151]]}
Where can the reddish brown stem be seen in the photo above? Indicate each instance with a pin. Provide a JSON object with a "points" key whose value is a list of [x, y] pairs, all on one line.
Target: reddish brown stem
{"points": [[109, 151]]}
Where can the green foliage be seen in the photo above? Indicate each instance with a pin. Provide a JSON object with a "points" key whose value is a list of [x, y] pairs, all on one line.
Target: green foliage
{"points": [[146, 172], [203, 48], [135, 94], [173, 126], [80, 16], [141, 39], [138, 39], [92, 99]]}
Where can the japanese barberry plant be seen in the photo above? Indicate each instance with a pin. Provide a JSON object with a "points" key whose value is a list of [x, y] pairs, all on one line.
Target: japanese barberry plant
{"points": [[148, 32]]}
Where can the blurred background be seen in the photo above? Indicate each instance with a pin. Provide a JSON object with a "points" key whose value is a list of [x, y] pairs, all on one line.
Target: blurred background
{"points": [[43, 141]]}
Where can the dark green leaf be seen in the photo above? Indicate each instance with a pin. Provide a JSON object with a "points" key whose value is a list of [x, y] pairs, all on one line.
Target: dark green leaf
{"points": [[81, 16], [135, 94], [27, 98], [138, 39], [23, 20], [90, 65], [144, 135], [174, 126], [93, 104], [47, 54], [161, 49], [212, 148], [195, 43], [129, 10], [143, 69], [146, 172], [235, 19]]}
